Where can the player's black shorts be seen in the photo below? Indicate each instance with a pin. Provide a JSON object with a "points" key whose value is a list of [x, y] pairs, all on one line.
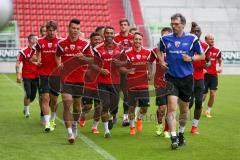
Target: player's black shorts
{"points": [[109, 96], [30, 87], [210, 82], [89, 96], [75, 89], [49, 84], [140, 96], [182, 87], [161, 96]]}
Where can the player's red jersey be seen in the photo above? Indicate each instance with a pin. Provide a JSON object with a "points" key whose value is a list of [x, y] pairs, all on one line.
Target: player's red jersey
{"points": [[47, 48], [215, 54], [139, 62], [199, 65], [90, 75], [159, 78], [29, 70], [124, 41], [73, 69], [107, 55]]}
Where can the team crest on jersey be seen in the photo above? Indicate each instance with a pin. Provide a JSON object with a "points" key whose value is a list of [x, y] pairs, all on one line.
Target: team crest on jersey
{"points": [[110, 51], [138, 56], [49, 45], [177, 44], [72, 46], [125, 41]]}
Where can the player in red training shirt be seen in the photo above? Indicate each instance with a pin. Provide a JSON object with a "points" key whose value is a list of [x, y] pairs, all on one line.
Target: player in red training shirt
{"points": [[137, 80], [198, 76], [46, 51], [161, 88], [211, 75], [90, 94], [71, 61], [124, 38], [109, 78], [29, 73]]}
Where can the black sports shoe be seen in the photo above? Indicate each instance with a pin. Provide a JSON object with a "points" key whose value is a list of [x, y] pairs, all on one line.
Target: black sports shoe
{"points": [[181, 140], [174, 144], [110, 124]]}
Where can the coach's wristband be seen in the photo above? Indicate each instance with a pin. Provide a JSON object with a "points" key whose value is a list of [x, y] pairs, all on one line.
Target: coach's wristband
{"points": [[192, 59]]}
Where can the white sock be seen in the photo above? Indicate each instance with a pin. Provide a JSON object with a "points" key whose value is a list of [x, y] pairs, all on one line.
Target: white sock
{"points": [[95, 124], [140, 116], [105, 124], [209, 109], [69, 130], [53, 116], [132, 123], [195, 122], [181, 129], [125, 116], [26, 109], [173, 134], [46, 118]]}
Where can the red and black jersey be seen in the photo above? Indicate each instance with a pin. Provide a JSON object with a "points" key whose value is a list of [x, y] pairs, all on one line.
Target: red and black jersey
{"points": [[106, 55], [29, 70], [124, 41], [47, 48], [139, 62], [73, 70], [199, 65], [215, 55]]}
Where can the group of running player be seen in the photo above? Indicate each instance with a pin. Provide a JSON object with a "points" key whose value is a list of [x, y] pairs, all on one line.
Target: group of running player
{"points": [[93, 73]]}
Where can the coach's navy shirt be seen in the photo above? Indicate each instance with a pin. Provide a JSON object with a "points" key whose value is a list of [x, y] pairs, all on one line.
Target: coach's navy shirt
{"points": [[174, 47]]}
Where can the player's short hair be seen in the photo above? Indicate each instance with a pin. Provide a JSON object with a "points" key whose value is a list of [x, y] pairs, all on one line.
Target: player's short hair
{"points": [[41, 28], [138, 33], [52, 24], [93, 34], [179, 15], [133, 29], [194, 25], [108, 27], [167, 29], [30, 36], [99, 28], [124, 20], [75, 21]]}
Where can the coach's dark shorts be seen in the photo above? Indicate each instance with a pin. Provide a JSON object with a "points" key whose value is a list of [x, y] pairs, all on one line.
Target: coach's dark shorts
{"points": [[75, 89], [109, 96], [161, 96], [89, 96], [140, 96], [210, 82], [30, 88], [49, 84], [182, 87]]}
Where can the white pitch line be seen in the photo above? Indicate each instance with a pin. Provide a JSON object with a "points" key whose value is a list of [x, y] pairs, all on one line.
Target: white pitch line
{"points": [[85, 139]]}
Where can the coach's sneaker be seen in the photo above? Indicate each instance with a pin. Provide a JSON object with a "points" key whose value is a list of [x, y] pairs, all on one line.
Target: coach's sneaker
{"points": [[139, 125], [107, 135], [194, 130], [166, 134], [132, 130], [95, 131], [181, 140], [82, 122], [71, 138], [74, 130], [125, 122], [53, 124], [159, 129], [26, 114], [207, 114], [174, 144]]}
